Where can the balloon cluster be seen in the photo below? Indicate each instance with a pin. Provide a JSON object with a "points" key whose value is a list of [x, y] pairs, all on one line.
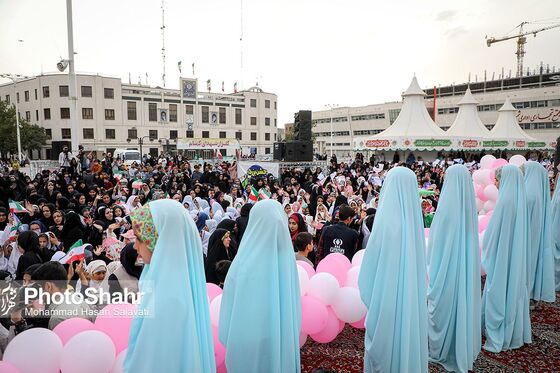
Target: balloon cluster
{"points": [[74, 346]]}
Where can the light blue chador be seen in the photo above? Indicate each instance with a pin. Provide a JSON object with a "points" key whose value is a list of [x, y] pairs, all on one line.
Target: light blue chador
{"points": [[505, 300], [454, 272], [177, 335], [556, 231], [541, 256], [260, 315], [392, 280]]}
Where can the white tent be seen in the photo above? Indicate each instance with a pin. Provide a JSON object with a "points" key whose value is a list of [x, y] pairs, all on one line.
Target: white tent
{"points": [[413, 129]]}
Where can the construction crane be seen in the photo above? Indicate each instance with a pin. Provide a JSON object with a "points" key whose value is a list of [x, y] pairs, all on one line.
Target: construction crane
{"points": [[521, 41]]}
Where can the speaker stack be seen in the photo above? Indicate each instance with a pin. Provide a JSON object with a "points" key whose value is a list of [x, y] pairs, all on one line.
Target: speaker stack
{"points": [[300, 149]]}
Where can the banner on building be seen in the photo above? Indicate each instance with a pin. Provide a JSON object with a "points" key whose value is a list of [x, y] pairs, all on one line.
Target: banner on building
{"points": [[188, 88], [189, 121], [163, 115], [202, 144], [257, 169], [213, 118]]}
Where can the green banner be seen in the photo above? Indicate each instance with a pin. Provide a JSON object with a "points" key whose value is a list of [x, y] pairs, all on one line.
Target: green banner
{"points": [[495, 144], [432, 142], [536, 144]]}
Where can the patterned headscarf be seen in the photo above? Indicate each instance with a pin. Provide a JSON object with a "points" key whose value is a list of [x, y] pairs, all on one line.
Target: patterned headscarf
{"points": [[143, 225]]}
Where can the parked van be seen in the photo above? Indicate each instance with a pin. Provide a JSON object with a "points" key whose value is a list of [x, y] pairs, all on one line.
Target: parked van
{"points": [[129, 156]]}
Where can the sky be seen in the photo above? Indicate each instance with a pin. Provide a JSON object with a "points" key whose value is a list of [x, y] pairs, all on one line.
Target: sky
{"points": [[311, 53]]}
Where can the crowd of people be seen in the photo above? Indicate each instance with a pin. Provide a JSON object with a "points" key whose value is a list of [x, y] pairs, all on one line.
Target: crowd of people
{"points": [[102, 205]]}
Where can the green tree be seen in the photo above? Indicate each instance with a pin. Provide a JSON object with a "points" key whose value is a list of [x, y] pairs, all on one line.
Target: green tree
{"points": [[32, 136]]}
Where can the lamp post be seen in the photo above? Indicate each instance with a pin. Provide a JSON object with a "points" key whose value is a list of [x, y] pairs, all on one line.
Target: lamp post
{"points": [[331, 107], [140, 143], [15, 78]]}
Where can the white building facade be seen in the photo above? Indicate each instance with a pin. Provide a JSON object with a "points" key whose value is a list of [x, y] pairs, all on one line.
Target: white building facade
{"points": [[113, 115], [536, 98]]}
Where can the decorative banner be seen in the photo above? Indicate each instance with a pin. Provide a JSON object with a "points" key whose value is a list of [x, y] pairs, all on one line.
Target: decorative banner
{"points": [[163, 115], [198, 144], [377, 143], [552, 115], [520, 144], [188, 88], [495, 144], [432, 143], [257, 169], [536, 144], [213, 118], [470, 144]]}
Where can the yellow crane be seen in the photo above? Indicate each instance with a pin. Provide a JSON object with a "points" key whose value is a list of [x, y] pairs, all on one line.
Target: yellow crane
{"points": [[521, 41]]}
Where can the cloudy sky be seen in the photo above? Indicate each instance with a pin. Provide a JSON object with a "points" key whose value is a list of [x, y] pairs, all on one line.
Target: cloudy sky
{"points": [[309, 52]]}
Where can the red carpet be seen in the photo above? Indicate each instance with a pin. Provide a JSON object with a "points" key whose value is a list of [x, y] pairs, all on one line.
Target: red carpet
{"points": [[346, 352]]}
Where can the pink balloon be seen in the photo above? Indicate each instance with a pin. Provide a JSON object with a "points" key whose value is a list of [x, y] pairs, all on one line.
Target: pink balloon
{"points": [[219, 349], [480, 193], [314, 315], [222, 368], [489, 206], [69, 328], [499, 163], [100, 356], [426, 232], [332, 265], [308, 268], [359, 324], [330, 331], [342, 324], [215, 306], [483, 223], [352, 277], [358, 258], [35, 350], [486, 161], [491, 192], [6, 367], [342, 259], [213, 290], [302, 339], [115, 320], [119, 361]]}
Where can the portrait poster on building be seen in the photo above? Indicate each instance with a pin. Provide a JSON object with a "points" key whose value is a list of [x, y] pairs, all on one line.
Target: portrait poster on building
{"points": [[214, 118], [188, 88], [163, 115]]}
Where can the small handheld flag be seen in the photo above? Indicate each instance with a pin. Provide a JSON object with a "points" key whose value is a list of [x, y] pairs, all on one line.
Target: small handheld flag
{"points": [[75, 253], [16, 207]]}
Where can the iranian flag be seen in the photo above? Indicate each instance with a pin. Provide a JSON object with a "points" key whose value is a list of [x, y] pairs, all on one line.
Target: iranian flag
{"points": [[254, 195], [16, 207], [264, 194], [75, 253]]}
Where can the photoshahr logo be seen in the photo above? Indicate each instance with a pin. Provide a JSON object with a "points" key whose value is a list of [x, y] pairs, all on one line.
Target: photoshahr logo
{"points": [[8, 296], [337, 248]]}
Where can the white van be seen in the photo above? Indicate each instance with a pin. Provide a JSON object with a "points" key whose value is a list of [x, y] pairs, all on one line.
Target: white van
{"points": [[129, 156]]}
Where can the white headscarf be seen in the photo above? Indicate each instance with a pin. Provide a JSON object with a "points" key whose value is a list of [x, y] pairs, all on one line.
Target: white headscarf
{"points": [[94, 267], [129, 204]]}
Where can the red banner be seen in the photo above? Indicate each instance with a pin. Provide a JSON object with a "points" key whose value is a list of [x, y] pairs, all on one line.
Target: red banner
{"points": [[520, 144], [377, 143], [470, 143]]}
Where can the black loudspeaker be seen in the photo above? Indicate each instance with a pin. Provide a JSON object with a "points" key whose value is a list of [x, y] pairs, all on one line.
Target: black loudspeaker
{"points": [[302, 125], [299, 151], [279, 151], [57, 148]]}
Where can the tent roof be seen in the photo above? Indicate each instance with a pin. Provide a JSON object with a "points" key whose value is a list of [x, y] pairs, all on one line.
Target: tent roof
{"points": [[467, 124], [507, 127]]}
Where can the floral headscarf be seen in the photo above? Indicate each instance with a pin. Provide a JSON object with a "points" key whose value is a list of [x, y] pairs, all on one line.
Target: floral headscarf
{"points": [[143, 225]]}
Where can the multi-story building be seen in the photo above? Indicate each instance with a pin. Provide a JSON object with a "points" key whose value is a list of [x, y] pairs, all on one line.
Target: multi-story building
{"points": [[114, 115], [537, 98]]}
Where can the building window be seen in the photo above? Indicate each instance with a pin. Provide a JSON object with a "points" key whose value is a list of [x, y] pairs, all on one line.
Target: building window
{"points": [[132, 133], [28, 116], [64, 113], [8, 99], [190, 134], [274, 137], [48, 132], [46, 92], [267, 136], [267, 104], [152, 112], [205, 134], [87, 91], [189, 109], [173, 134], [253, 121], [17, 97], [47, 114], [110, 134], [239, 135], [205, 114], [173, 112], [109, 93], [26, 96], [222, 115], [237, 116], [267, 121], [275, 122], [274, 105], [253, 102], [87, 113], [153, 134], [253, 136], [63, 90], [37, 115], [222, 134], [131, 110], [266, 150], [66, 133], [88, 133], [35, 93], [109, 114]]}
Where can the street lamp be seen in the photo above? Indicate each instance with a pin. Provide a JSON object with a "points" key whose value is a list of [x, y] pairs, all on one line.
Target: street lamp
{"points": [[331, 107], [141, 142], [15, 78]]}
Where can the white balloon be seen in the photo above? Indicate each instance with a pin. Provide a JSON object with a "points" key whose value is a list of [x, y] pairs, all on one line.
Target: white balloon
{"points": [[489, 205], [91, 351], [303, 280], [517, 160], [35, 350], [358, 257], [348, 305], [302, 339], [119, 361], [215, 310], [486, 161], [491, 192], [324, 287], [479, 204], [352, 277]]}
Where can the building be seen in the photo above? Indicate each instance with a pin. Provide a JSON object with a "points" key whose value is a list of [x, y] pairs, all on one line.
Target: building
{"points": [[114, 115], [536, 98]]}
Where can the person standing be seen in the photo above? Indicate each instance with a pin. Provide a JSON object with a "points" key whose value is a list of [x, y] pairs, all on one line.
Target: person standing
{"points": [[339, 238], [392, 281], [64, 159]]}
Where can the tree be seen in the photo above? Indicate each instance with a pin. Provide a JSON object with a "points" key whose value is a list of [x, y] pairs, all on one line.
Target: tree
{"points": [[32, 135]]}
